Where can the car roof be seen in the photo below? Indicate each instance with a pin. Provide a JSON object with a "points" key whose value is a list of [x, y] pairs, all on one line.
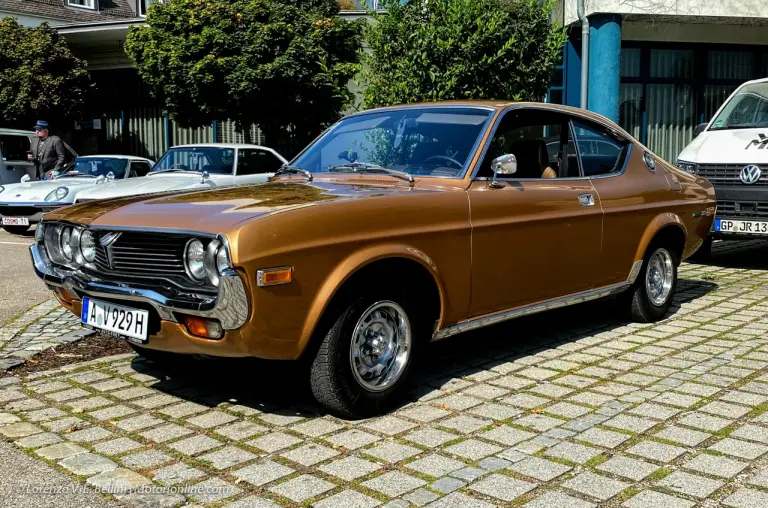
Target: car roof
{"points": [[17, 132], [114, 156], [221, 145]]}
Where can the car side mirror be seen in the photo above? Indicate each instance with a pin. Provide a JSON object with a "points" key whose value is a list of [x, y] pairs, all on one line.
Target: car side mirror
{"points": [[204, 176], [110, 176], [503, 165], [25, 178], [699, 129]]}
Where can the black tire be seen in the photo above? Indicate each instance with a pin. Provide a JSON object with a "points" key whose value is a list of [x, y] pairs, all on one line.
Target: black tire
{"points": [[638, 302], [16, 230], [333, 383], [703, 253]]}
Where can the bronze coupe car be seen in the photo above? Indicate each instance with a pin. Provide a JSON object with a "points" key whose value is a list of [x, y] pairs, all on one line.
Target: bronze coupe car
{"points": [[395, 227]]}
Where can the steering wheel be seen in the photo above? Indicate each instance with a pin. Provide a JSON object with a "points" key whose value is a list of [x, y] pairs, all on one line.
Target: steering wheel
{"points": [[458, 164]]}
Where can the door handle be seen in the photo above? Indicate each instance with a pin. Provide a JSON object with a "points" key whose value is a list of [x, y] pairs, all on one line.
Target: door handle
{"points": [[587, 199]]}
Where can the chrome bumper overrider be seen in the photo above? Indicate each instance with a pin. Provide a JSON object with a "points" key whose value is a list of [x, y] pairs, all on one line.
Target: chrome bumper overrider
{"points": [[229, 306]]}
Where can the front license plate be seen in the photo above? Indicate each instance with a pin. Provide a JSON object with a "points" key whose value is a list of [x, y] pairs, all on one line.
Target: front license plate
{"points": [[116, 320], [754, 227], [15, 221]]}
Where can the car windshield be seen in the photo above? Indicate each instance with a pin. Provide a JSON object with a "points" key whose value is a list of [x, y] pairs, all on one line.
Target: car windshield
{"points": [[95, 166], [748, 109], [213, 159], [424, 141]]}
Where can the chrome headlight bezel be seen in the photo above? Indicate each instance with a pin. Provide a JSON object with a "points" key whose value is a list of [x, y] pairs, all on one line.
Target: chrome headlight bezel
{"points": [[57, 194], [688, 167], [195, 271], [65, 243], [217, 260]]}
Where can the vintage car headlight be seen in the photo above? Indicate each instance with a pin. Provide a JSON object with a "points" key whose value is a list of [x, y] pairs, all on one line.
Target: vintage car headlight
{"points": [[194, 259], [65, 246], [74, 244], [88, 246], [216, 261], [688, 167], [57, 194]]}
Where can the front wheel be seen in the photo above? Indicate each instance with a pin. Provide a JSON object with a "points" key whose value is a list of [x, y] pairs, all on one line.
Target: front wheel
{"points": [[365, 357], [650, 297]]}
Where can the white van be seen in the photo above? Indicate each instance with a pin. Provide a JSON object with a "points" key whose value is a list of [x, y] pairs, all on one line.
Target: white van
{"points": [[14, 147], [731, 151]]}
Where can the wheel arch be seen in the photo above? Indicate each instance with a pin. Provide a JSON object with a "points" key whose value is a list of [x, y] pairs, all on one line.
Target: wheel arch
{"points": [[371, 262], [664, 227]]}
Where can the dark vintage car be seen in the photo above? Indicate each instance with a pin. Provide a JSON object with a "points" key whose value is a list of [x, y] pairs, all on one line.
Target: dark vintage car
{"points": [[396, 227]]}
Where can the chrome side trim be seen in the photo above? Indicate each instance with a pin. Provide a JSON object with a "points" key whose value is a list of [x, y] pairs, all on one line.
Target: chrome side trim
{"points": [[493, 319], [634, 272]]}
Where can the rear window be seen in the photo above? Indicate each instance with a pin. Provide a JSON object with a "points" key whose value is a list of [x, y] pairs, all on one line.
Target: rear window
{"points": [[14, 148]]}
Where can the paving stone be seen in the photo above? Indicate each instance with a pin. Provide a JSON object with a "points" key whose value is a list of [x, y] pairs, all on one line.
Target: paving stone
{"points": [[682, 435], [739, 448], [526, 401], [558, 499], [704, 421], [274, 442], [195, 445], [112, 412], [177, 473], [394, 483], [420, 497], [348, 499], [648, 498], [469, 473], [139, 422], [427, 436], [87, 464], [213, 490], [567, 410], [143, 500], [626, 467], [573, 452], [604, 438], [116, 446], [118, 481], [389, 425], [350, 468], [89, 435], [722, 467], [630, 423], [725, 409], [424, 413], [183, 410], [594, 485], [50, 387], [464, 424], [48, 413], [89, 377], [112, 384], [38, 440], [310, 454], [60, 451], [162, 399], [540, 469], [486, 391], [435, 465], [6, 418], [146, 459], [760, 478], [74, 393], [210, 420], [19, 430], [457, 402], [746, 498], [253, 502], [447, 485], [494, 463], [690, 484], [507, 435], [752, 433], [739, 397], [656, 451], [473, 449], [502, 487], [458, 500], [226, 457], [89, 403], [241, 430], [352, 439]]}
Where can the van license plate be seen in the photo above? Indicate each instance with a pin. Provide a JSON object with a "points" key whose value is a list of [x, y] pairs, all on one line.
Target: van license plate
{"points": [[754, 227], [116, 320]]}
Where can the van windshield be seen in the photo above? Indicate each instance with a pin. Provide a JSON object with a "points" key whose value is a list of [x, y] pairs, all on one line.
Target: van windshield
{"points": [[748, 109]]}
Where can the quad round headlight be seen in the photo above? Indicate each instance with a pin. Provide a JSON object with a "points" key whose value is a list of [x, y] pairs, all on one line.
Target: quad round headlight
{"points": [[194, 259], [88, 246], [57, 194], [222, 259], [65, 245]]}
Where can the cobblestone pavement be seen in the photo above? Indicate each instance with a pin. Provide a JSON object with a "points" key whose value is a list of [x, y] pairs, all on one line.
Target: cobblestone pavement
{"points": [[570, 409], [43, 326]]}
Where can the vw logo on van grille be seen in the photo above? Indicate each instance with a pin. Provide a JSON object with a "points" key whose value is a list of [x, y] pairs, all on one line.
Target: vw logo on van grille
{"points": [[750, 174]]}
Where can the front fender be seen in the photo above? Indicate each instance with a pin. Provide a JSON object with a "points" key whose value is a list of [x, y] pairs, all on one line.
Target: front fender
{"points": [[352, 264], [657, 224]]}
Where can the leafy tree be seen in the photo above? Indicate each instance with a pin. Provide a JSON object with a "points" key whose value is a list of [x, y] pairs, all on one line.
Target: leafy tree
{"points": [[281, 65], [427, 50], [40, 78]]}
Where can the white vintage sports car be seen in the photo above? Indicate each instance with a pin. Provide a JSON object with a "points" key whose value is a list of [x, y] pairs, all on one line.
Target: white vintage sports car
{"points": [[196, 167], [23, 204]]}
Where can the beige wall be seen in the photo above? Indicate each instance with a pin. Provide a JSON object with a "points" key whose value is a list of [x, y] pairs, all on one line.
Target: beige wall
{"points": [[754, 9]]}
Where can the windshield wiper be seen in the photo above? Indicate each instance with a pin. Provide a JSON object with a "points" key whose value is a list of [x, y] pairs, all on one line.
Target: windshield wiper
{"points": [[365, 167], [75, 173], [293, 169]]}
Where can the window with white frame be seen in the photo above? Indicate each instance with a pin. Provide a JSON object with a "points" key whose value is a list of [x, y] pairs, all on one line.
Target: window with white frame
{"points": [[144, 6], [86, 4]]}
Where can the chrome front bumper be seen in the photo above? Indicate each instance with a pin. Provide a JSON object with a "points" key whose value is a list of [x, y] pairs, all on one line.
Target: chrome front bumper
{"points": [[229, 306]]}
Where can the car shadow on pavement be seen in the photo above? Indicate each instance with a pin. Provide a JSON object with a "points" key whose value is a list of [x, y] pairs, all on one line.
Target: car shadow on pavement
{"points": [[282, 388], [738, 254]]}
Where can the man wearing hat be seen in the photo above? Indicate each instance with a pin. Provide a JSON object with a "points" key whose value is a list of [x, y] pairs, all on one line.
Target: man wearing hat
{"points": [[47, 152]]}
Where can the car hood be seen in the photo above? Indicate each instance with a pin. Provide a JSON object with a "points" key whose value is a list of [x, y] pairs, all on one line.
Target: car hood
{"points": [[146, 185], [35, 191], [219, 209], [737, 146]]}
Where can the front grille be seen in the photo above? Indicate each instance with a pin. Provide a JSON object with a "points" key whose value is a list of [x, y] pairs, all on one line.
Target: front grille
{"points": [[140, 257], [19, 211], [727, 174], [747, 210]]}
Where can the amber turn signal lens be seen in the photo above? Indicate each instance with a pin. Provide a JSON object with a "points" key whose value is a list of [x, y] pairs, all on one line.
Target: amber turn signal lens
{"points": [[203, 327], [274, 276]]}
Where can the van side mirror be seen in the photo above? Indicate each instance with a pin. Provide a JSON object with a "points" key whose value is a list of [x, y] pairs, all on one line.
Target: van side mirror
{"points": [[503, 165], [699, 129]]}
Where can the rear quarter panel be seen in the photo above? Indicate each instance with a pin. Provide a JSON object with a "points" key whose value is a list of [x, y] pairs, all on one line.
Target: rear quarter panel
{"points": [[325, 243]]}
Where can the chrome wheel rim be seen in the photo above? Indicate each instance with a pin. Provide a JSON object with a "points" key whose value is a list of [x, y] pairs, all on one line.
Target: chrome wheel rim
{"points": [[381, 346], [659, 277]]}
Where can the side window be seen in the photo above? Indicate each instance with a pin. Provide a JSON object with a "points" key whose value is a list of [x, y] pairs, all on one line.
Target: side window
{"points": [[139, 169], [14, 148], [541, 142], [252, 162], [601, 153]]}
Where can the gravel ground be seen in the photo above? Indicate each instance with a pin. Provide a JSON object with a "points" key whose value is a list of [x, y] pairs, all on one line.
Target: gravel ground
{"points": [[20, 288]]}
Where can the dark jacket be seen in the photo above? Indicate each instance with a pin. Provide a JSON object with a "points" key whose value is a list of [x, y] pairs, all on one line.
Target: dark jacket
{"points": [[53, 155]]}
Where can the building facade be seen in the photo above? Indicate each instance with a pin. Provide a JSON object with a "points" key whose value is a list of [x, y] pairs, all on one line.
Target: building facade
{"points": [[661, 67]]}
